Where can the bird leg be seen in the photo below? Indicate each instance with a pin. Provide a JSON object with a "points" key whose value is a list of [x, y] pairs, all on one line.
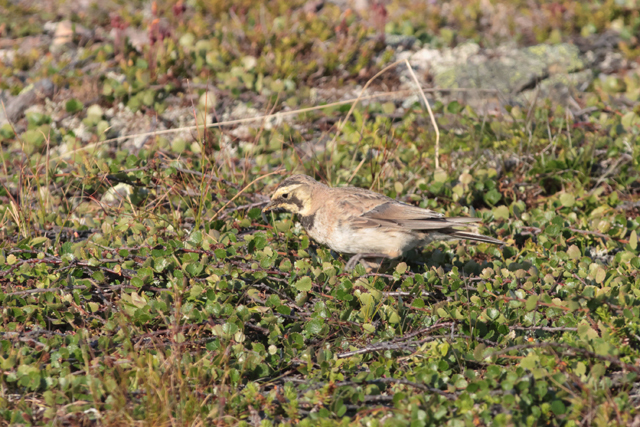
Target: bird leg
{"points": [[358, 257]]}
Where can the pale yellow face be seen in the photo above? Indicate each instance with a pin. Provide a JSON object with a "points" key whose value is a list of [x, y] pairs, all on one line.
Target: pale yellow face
{"points": [[293, 195]]}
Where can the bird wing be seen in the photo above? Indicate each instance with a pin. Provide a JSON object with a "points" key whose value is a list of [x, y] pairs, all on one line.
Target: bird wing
{"points": [[372, 210], [399, 215]]}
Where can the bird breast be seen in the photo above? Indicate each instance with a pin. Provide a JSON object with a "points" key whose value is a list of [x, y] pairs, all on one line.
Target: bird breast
{"points": [[339, 235]]}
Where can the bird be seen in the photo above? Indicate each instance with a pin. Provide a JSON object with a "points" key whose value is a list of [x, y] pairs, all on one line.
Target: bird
{"points": [[363, 223]]}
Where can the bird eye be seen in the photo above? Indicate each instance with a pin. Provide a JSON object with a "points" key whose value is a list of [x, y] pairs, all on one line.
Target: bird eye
{"points": [[285, 196]]}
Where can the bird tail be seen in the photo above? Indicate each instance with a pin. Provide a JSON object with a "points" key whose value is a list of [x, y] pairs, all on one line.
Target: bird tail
{"points": [[463, 219], [473, 236]]}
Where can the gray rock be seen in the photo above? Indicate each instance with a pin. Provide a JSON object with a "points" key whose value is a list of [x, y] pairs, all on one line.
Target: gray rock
{"points": [[560, 88], [117, 195], [506, 73], [512, 71], [399, 41], [16, 105]]}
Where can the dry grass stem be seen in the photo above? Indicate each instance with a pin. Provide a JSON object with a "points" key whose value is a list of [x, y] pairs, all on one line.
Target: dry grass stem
{"points": [[277, 171], [433, 119], [280, 114]]}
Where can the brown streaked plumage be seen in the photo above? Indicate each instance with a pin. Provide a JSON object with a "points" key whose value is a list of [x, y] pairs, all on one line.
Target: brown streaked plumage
{"points": [[366, 224]]}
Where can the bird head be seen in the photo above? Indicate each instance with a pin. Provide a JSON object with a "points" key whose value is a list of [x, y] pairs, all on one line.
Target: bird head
{"points": [[293, 195]]}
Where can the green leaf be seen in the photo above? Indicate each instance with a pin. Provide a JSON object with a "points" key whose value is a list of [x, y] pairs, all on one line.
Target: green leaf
{"points": [[141, 63], [454, 107], [273, 301], [574, 252], [567, 199], [529, 361], [194, 269], [401, 268], [73, 106], [501, 212], [37, 240], [34, 137], [304, 284], [552, 230], [138, 300], [159, 264], [368, 327], [196, 290], [388, 107], [478, 352], [532, 302], [344, 295], [418, 303], [558, 407], [493, 313], [260, 241], [630, 120], [442, 313], [586, 332], [283, 309], [492, 197], [440, 176], [443, 348], [195, 238], [633, 240], [461, 383], [314, 326], [6, 131], [229, 329], [304, 242]]}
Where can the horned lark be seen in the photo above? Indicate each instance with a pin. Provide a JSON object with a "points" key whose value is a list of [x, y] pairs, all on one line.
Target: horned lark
{"points": [[366, 224]]}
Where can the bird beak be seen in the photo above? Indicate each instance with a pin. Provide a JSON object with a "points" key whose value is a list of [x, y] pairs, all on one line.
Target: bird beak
{"points": [[268, 207]]}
